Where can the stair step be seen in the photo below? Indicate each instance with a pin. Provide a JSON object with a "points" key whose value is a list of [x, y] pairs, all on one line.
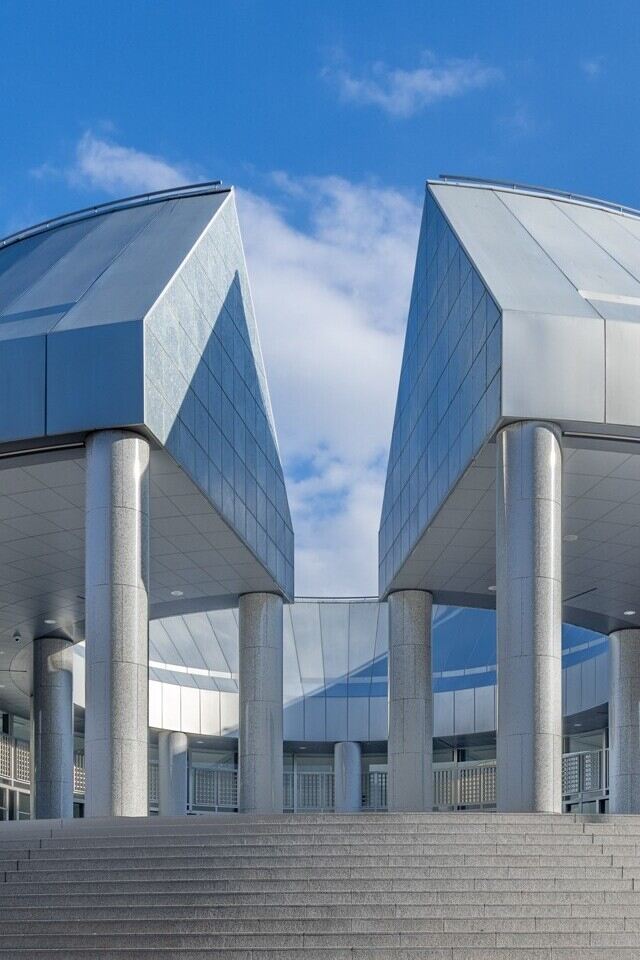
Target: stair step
{"points": [[238, 926], [139, 871], [325, 887], [372, 953]]}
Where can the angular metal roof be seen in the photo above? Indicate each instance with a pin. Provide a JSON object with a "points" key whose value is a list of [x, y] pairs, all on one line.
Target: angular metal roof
{"points": [[105, 265], [136, 315], [547, 252], [525, 305]]}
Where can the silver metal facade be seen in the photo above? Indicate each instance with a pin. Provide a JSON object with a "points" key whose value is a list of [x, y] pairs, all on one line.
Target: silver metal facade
{"points": [[564, 276], [206, 396], [136, 316], [449, 393]]}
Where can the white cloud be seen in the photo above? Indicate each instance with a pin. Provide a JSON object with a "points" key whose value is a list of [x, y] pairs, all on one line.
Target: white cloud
{"points": [[331, 301], [117, 170], [519, 123], [403, 93], [592, 67]]}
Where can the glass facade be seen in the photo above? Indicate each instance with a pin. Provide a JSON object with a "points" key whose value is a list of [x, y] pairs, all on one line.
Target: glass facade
{"points": [[206, 398], [449, 392]]}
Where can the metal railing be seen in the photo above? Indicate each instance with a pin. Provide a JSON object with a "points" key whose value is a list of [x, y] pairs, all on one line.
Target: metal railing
{"points": [[374, 790], [6, 756], [308, 791], [288, 803], [153, 787], [79, 777], [456, 786], [471, 784], [585, 774], [22, 762], [213, 788]]}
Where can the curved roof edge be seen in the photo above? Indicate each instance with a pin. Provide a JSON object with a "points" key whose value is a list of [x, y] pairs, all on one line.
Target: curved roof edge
{"points": [[138, 200], [548, 193]]}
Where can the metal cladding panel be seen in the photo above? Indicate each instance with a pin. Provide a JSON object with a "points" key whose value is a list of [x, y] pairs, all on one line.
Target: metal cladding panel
{"points": [[566, 274], [553, 367], [228, 713], [206, 398], [291, 683], [622, 375], [611, 232], [155, 704], [315, 719], [449, 394], [210, 712], [144, 266], [564, 277], [26, 264], [305, 618], [363, 629], [378, 718], [334, 625], [190, 710], [602, 679], [589, 681], [573, 690], [358, 718], [148, 320], [94, 378], [443, 724], [485, 708], [85, 286], [96, 244], [584, 261], [225, 624], [171, 717], [337, 718], [464, 710], [22, 388], [293, 720], [162, 646], [517, 269]]}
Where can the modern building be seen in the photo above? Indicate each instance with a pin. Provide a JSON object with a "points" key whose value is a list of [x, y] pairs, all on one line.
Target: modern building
{"points": [[513, 474], [152, 657], [335, 709], [139, 477]]}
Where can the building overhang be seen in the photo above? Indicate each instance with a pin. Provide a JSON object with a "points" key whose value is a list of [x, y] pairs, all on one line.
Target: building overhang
{"points": [[455, 556]]}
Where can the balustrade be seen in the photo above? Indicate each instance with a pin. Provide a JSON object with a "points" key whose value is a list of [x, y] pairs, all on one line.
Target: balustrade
{"points": [[213, 788]]}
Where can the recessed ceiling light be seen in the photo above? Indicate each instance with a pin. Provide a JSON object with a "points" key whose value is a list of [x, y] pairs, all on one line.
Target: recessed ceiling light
{"points": [[629, 613], [492, 588], [50, 622], [1, 686], [577, 724], [199, 741], [571, 537], [177, 593]]}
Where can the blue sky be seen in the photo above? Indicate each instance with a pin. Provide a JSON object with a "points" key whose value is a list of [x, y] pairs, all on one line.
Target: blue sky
{"points": [[328, 117]]}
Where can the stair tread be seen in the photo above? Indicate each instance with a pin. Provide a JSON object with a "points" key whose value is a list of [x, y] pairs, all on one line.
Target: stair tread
{"points": [[362, 887]]}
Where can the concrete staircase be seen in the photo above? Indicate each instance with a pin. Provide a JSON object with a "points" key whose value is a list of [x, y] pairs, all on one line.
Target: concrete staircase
{"points": [[326, 887]]}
